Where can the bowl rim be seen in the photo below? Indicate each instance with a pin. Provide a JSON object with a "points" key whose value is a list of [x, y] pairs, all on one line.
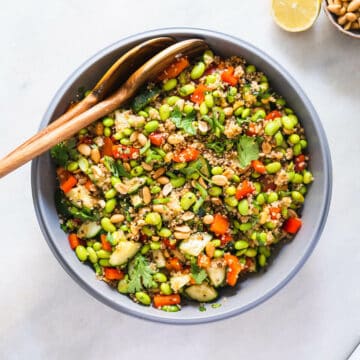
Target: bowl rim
{"points": [[331, 17], [323, 143]]}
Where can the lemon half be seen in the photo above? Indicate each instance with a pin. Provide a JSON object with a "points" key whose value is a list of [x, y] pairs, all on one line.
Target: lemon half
{"points": [[295, 15]]}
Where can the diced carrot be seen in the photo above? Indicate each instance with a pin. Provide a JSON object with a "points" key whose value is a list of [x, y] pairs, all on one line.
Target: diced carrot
{"points": [[198, 95], [292, 225], [220, 224], [163, 300], [234, 269], [228, 76], [203, 261], [186, 155], [225, 238], [258, 166], [105, 243], [113, 273], [107, 148], [157, 138], [169, 243], [252, 130], [244, 189], [174, 69], [73, 241], [173, 264], [68, 184]]}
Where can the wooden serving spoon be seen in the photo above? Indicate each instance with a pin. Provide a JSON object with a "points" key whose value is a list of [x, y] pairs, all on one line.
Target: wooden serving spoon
{"points": [[53, 134], [115, 76]]}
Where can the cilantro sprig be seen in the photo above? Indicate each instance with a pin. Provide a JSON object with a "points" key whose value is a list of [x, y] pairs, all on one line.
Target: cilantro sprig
{"points": [[248, 150], [140, 274], [183, 122]]}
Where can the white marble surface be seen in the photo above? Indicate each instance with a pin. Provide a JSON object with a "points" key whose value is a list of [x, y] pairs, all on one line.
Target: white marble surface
{"points": [[45, 315]]}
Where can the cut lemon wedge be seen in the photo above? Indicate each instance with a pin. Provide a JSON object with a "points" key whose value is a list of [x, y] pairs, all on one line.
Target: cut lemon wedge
{"points": [[295, 15]]}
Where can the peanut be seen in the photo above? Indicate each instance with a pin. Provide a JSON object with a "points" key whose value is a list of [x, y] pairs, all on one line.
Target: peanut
{"points": [[335, 9], [84, 149], [95, 155], [142, 139], [219, 180], [158, 172], [146, 195], [351, 17], [208, 219], [342, 20], [117, 218], [353, 6], [163, 180]]}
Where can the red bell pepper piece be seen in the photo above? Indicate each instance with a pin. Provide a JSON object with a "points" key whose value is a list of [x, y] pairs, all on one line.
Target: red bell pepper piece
{"points": [[173, 264], [73, 241], [258, 166], [124, 152], [186, 155], [228, 76], [105, 243], [157, 138], [198, 96], [292, 225], [244, 189], [163, 300], [273, 115], [300, 163], [113, 274]]}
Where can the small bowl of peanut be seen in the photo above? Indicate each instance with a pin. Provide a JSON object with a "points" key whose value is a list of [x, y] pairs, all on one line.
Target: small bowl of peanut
{"points": [[344, 15]]}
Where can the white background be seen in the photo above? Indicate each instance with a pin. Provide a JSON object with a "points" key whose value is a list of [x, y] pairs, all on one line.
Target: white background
{"points": [[45, 315]]}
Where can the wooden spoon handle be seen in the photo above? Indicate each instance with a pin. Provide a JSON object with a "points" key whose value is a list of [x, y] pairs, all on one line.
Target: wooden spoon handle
{"points": [[60, 130]]}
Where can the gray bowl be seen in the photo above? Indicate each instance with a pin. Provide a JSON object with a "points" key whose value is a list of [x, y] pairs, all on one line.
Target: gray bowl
{"points": [[255, 289]]}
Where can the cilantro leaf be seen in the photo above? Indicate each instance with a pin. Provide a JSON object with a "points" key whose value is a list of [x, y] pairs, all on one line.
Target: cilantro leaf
{"points": [[185, 123], [220, 146], [198, 274], [140, 274], [62, 152], [192, 168], [248, 150], [116, 167]]}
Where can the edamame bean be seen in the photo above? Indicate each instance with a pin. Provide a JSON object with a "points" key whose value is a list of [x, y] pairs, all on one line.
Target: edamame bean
{"points": [[241, 244], [287, 122], [104, 262], [303, 190], [261, 237], [107, 132], [153, 218], [186, 90], [172, 100], [243, 207], [260, 114], [97, 246], [231, 190], [215, 191], [177, 182], [297, 196], [115, 180], [110, 194], [238, 111], [187, 200], [108, 122], [164, 232], [208, 57], [217, 170], [257, 187], [231, 201], [170, 84], [235, 178], [73, 166], [280, 102], [264, 86], [127, 131], [164, 112], [273, 167], [203, 108], [251, 252], [273, 196], [294, 139], [197, 71], [125, 141], [165, 288], [297, 149], [107, 225], [110, 206], [188, 108], [303, 144], [103, 254], [245, 226], [279, 139], [160, 277], [216, 242], [81, 253], [123, 286], [155, 189], [262, 260], [218, 253], [92, 255], [297, 179], [260, 199], [155, 245], [151, 126], [307, 177], [250, 69], [209, 100], [272, 127], [143, 298], [170, 308], [246, 113], [137, 171]]}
